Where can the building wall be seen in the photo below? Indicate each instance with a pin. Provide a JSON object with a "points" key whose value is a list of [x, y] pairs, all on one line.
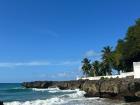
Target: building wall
{"points": [[135, 73], [136, 67], [122, 75]]}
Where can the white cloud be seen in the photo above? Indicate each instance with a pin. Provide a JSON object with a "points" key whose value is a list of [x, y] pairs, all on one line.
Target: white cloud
{"points": [[16, 64], [42, 75], [80, 68], [68, 63], [92, 53], [38, 63], [63, 74], [59, 75]]}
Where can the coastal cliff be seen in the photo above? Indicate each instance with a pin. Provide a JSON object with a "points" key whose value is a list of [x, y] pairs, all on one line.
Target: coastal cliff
{"points": [[127, 89]]}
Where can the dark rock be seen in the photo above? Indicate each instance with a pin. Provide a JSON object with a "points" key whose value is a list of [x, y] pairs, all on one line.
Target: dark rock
{"points": [[37, 84], [116, 88], [137, 94], [131, 98], [1, 103], [91, 88]]}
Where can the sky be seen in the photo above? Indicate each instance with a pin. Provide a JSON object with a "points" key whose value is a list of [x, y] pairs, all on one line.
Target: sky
{"points": [[47, 39]]}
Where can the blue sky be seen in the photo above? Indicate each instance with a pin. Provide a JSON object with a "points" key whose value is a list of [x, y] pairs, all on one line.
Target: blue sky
{"points": [[47, 39]]}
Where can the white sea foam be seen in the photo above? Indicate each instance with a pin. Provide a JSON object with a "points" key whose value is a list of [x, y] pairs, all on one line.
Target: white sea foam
{"points": [[52, 101], [48, 89], [54, 90], [58, 90], [77, 94]]}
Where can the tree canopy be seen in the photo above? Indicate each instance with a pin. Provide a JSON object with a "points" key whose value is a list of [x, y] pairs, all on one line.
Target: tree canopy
{"points": [[121, 58], [128, 49]]}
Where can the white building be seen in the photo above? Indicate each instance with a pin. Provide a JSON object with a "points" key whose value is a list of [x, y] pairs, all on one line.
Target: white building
{"points": [[135, 73], [136, 67]]}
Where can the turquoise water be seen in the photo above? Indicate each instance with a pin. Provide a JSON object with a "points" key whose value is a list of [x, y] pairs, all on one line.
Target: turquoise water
{"points": [[15, 94]]}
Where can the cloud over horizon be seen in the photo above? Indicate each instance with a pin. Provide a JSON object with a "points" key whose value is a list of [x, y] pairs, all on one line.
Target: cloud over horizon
{"points": [[38, 63]]}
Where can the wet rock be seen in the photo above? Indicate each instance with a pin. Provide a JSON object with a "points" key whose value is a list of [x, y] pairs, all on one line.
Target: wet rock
{"points": [[137, 94], [131, 98], [1, 103]]}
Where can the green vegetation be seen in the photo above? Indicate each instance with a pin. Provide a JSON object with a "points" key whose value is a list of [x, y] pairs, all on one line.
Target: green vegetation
{"points": [[96, 68], [121, 58], [86, 67], [107, 59], [102, 78]]}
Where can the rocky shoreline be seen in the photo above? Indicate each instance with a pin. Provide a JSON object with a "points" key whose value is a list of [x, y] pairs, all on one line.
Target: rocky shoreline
{"points": [[127, 89]]}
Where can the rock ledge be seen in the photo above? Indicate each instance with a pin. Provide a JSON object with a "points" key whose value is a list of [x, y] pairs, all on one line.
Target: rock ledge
{"points": [[127, 89]]}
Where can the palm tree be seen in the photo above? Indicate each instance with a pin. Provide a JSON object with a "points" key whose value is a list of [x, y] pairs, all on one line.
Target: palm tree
{"points": [[107, 59], [103, 70], [96, 68], [86, 67]]}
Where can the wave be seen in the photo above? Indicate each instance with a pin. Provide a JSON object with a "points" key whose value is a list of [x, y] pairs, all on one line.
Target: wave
{"points": [[55, 90], [63, 91], [52, 101], [18, 89], [71, 97], [48, 89], [77, 94]]}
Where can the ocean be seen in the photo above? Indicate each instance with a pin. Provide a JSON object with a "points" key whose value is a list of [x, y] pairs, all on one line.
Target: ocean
{"points": [[15, 94]]}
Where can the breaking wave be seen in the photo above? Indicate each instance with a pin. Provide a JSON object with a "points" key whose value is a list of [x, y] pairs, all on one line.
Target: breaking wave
{"points": [[52, 101], [48, 89], [55, 90]]}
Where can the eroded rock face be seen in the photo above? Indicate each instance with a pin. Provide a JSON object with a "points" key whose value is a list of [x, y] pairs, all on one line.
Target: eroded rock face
{"points": [[91, 88], [106, 88], [52, 84], [37, 84], [137, 88]]}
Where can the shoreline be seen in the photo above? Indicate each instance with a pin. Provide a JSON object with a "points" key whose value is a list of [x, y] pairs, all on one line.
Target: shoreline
{"points": [[126, 89], [62, 97]]}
